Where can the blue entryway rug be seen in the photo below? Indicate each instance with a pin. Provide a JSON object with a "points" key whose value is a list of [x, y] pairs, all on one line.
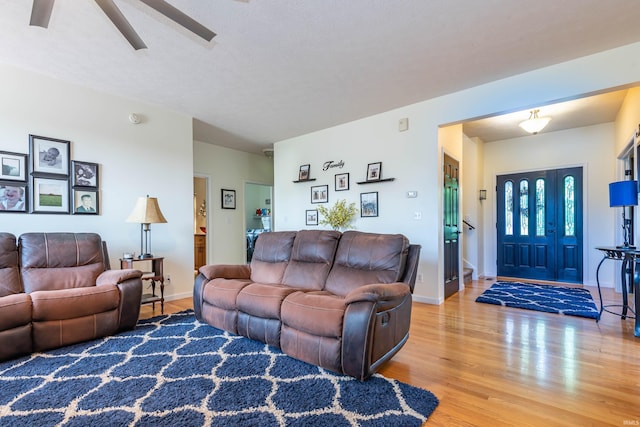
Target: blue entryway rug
{"points": [[548, 298], [175, 371]]}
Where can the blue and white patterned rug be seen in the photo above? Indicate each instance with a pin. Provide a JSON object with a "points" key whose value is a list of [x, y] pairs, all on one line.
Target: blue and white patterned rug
{"points": [[175, 371], [548, 298]]}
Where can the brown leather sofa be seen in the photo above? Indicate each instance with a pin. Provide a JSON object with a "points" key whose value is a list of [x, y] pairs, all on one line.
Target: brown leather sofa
{"points": [[55, 290], [341, 301]]}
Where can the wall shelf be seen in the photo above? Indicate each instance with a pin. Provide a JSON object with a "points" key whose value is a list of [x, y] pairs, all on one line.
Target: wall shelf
{"points": [[304, 180], [375, 181]]}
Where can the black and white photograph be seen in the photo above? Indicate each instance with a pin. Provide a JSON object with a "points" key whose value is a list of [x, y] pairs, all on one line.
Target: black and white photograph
{"points": [[49, 156], [374, 171], [50, 195], [14, 166], [303, 175], [228, 199], [311, 217], [369, 204], [320, 194], [85, 174], [342, 182], [13, 197], [85, 202]]}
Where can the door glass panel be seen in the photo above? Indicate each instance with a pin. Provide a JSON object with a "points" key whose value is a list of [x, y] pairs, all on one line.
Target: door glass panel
{"points": [[524, 207], [569, 206], [508, 208], [540, 220]]}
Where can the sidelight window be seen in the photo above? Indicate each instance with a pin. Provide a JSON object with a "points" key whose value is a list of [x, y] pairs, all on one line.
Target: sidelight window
{"points": [[524, 207], [540, 220], [569, 206], [508, 208]]}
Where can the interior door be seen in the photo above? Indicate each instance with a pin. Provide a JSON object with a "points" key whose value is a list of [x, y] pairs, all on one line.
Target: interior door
{"points": [[450, 226], [540, 225]]}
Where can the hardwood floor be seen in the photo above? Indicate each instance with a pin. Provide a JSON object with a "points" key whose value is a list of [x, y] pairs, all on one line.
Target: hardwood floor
{"points": [[498, 366]]}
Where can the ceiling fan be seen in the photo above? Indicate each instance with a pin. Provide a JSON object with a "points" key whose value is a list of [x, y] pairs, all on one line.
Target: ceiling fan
{"points": [[41, 13]]}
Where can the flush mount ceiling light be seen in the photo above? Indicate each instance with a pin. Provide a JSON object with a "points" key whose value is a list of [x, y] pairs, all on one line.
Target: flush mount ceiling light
{"points": [[534, 124], [41, 14]]}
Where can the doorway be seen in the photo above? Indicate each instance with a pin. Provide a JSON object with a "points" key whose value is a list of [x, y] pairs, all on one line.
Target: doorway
{"points": [[450, 227], [539, 220], [200, 230], [258, 213]]}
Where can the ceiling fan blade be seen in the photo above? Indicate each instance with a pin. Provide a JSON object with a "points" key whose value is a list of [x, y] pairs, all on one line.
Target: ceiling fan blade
{"points": [[180, 18], [41, 13], [115, 15]]}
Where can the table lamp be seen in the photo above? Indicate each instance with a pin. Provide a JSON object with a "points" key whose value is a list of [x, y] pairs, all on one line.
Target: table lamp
{"points": [[146, 212], [623, 194]]}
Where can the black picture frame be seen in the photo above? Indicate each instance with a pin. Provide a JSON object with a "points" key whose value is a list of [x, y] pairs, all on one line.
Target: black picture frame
{"points": [[303, 174], [49, 156], [369, 204], [341, 181], [228, 199], [374, 171], [85, 174], [14, 197], [49, 195], [320, 194], [86, 201], [311, 217], [13, 166]]}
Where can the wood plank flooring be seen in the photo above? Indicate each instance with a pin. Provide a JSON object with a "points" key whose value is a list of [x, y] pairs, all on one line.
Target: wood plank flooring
{"points": [[498, 366]]}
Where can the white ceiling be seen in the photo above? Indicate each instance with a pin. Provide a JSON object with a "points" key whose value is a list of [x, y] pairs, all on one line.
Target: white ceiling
{"points": [[281, 68]]}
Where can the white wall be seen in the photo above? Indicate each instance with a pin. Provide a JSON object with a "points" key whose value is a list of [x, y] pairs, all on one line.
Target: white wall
{"points": [[591, 147], [473, 210], [414, 157], [154, 158], [228, 169]]}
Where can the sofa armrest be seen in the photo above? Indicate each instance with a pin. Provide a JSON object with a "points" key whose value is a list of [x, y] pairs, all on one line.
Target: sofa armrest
{"points": [[378, 293], [113, 277], [225, 271]]}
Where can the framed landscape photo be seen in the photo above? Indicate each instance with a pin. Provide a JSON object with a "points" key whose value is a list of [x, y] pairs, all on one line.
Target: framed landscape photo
{"points": [[374, 171], [369, 204], [342, 182], [85, 201], [303, 175], [50, 195], [49, 156], [320, 194], [85, 174], [14, 166], [13, 197], [228, 199], [311, 217]]}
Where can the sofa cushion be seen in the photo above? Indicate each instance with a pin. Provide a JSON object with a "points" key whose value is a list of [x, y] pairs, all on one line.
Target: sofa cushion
{"points": [[15, 310], [311, 258], [318, 313], [10, 282], [223, 293], [74, 303], [51, 261], [271, 256], [366, 258], [263, 300]]}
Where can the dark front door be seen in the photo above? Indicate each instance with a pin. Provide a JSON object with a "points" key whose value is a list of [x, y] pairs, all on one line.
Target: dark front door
{"points": [[451, 233], [540, 225]]}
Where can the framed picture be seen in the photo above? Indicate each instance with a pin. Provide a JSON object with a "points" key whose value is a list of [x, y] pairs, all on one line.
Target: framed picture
{"points": [[303, 175], [374, 171], [13, 197], [14, 166], [320, 194], [49, 156], [228, 199], [342, 181], [311, 217], [369, 204], [50, 195], [85, 201], [85, 174]]}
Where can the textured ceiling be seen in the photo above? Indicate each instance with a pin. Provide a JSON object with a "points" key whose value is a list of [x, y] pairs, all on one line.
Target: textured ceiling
{"points": [[281, 68]]}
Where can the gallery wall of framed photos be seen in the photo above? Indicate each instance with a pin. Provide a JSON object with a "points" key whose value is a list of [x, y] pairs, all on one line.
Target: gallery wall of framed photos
{"points": [[47, 181]]}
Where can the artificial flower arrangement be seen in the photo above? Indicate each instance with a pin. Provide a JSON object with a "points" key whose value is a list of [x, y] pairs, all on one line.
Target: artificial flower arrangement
{"points": [[339, 216]]}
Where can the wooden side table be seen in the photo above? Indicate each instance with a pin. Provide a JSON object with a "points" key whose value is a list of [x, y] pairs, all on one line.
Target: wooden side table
{"points": [[152, 271]]}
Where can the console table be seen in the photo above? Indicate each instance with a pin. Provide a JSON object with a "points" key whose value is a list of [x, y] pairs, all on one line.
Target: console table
{"points": [[630, 279], [156, 274]]}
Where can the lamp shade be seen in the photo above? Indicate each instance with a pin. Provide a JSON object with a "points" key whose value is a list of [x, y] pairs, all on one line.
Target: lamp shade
{"points": [[534, 124], [146, 211], [623, 193]]}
